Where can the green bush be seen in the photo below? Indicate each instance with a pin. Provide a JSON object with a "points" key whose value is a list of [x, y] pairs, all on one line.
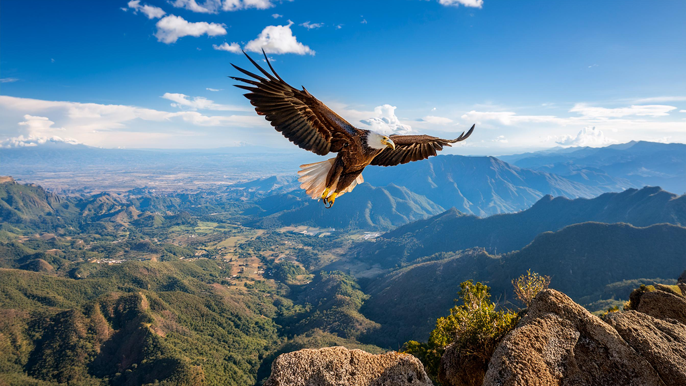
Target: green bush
{"points": [[475, 327], [527, 286]]}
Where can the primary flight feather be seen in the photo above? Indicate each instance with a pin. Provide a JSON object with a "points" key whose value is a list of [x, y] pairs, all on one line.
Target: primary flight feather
{"points": [[308, 123]]}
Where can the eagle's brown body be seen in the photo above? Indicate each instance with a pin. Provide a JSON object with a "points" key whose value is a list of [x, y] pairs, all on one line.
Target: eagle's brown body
{"points": [[308, 123]]}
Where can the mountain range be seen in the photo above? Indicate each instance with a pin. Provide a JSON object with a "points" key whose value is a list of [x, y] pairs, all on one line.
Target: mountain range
{"points": [[638, 162], [453, 230], [590, 261]]}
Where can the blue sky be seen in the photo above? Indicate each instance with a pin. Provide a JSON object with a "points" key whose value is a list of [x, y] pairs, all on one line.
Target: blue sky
{"points": [[531, 74]]}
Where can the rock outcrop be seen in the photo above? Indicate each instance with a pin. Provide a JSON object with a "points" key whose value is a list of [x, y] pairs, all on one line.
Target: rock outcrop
{"points": [[661, 342], [558, 342], [663, 305], [339, 366]]}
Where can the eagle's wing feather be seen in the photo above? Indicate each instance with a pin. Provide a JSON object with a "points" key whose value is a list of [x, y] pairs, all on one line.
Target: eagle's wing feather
{"points": [[298, 115], [410, 148]]}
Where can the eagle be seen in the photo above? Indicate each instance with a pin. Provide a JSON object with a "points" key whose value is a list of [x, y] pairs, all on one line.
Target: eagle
{"points": [[308, 123]]}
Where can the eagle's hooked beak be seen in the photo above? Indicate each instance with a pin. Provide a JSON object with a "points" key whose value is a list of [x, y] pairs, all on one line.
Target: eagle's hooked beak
{"points": [[388, 142]]}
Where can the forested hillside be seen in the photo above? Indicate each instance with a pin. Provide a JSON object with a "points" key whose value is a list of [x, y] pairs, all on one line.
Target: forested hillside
{"points": [[139, 287]]}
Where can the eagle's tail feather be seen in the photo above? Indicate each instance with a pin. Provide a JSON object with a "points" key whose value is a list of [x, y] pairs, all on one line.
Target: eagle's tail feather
{"points": [[313, 177]]}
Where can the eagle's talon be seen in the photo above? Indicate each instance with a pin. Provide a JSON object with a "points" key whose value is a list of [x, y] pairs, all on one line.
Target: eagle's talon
{"points": [[332, 199]]}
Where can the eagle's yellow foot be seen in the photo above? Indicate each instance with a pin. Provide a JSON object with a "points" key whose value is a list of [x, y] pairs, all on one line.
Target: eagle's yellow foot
{"points": [[326, 193], [330, 200]]}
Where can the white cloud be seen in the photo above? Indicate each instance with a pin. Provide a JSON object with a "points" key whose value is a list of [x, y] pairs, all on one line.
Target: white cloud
{"points": [[339, 26], [30, 141], [276, 15], [635, 110], [39, 126], [213, 89], [309, 25], [588, 136], [500, 139], [116, 125], [364, 21], [661, 99], [150, 11], [199, 103], [233, 5], [682, 111], [508, 118], [385, 121], [466, 3], [233, 47], [278, 39], [213, 6], [38, 131], [437, 120], [8, 80], [171, 28]]}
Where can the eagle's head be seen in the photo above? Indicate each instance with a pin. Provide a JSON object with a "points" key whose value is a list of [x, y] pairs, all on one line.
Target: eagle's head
{"points": [[379, 141]]}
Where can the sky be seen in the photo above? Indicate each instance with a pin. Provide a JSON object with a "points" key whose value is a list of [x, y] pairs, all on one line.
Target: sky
{"points": [[530, 74]]}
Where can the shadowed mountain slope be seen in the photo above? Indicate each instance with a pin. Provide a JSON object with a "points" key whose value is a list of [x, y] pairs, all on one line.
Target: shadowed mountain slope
{"points": [[453, 231], [482, 185], [368, 207], [583, 260]]}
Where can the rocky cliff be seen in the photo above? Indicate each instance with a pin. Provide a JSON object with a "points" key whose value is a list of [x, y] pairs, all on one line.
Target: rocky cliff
{"points": [[557, 342], [560, 343]]}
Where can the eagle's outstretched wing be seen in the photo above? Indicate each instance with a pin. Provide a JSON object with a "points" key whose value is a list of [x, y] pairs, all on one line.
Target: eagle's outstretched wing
{"points": [[410, 148], [298, 115]]}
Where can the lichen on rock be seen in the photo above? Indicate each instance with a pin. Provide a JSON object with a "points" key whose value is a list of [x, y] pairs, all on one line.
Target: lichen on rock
{"points": [[558, 342], [339, 366]]}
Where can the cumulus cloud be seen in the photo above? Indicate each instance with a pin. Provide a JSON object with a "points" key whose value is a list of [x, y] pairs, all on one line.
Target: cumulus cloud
{"points": [[466, 3], [199, 103], [385, 121], [171, 28], [309, 25], [278, 39], [634, 110], [233, 47], [213, 89], [500, 139], [29, 141], [588, 136], [112, 125], [213, 6], [276, 15], [150, 11], [8, 80], [38, 130], [434, 120]]}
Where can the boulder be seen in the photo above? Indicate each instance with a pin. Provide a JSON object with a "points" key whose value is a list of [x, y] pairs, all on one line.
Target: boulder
{"points": [[661, 342], [558, 342], [339, 366], [663, 305]]}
